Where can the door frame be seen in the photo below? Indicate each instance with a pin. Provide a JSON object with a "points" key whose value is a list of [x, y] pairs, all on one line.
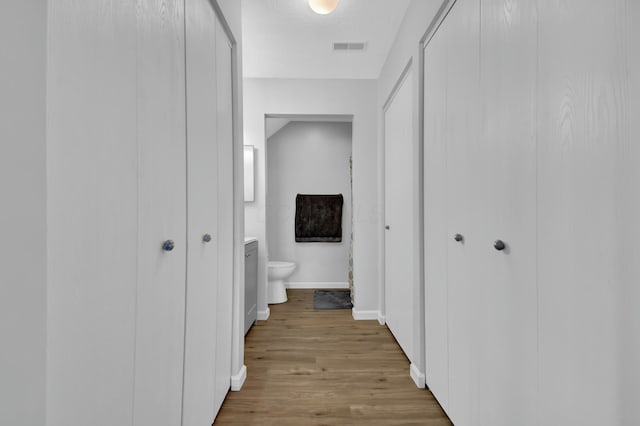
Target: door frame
{"points": [[433, 26], [238, 369], [417, 367], [383, 174]]}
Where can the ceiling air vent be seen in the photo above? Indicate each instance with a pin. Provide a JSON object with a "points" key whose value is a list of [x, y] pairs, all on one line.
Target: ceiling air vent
{"points": [[360, 45]]}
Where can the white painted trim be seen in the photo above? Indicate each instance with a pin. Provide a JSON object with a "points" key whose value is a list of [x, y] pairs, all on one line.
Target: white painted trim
{"points": [[417, 376], [398, 85], [316, 285], [441, 14], [382, 320], [237, 380], [237, 320], [264, 315], [336, 118], [365, 315]]}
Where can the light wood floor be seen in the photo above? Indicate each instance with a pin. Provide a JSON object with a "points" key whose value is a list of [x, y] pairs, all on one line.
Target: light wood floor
{"points": [[308, 367]]}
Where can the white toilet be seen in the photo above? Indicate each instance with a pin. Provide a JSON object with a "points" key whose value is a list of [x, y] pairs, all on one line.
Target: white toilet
{"points": [[278, 272]]}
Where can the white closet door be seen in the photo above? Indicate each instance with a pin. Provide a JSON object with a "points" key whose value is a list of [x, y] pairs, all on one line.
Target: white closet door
{"points": [[628, 212], [464, 209], [225, 213], [584, 88], [435, 216], [202, 215], [507, 355], [91, 209], [162, 214], [399, 216]]}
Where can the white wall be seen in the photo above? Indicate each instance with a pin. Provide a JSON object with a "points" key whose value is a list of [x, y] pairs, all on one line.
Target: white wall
{"points": [[308, 158], [322, 97], [405, 52], [22, 212]]}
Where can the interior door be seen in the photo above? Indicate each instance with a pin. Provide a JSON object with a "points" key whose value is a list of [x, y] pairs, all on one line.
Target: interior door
{"points": [[202, 213], [587, 217], [399, 216], [435, 216], [91, 216], [224, 303], [465, 211], [508, 298], [161, 215]]}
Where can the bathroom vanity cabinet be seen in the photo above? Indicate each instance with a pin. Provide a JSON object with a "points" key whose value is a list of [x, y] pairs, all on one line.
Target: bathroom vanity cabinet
{"points": [[250, 283]]}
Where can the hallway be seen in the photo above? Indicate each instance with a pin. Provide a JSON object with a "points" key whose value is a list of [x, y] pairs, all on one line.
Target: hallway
{"points": [[493, 156], [309, 367]]}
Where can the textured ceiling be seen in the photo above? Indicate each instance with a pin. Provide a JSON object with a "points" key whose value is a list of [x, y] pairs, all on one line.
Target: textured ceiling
{"points": [[286, 39]]}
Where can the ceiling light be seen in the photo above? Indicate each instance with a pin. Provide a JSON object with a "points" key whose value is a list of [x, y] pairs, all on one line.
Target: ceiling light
{"points": [[323, 7]]}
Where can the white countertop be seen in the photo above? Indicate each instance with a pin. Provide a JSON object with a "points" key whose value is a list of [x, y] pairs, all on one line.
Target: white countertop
{"points": [[248, 240]]}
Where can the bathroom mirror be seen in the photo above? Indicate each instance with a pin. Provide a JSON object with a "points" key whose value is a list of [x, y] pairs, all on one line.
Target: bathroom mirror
{"points": [[248, 173]]}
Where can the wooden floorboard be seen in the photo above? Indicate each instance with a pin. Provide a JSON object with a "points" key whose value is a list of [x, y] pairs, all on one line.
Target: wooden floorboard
{"points": [[308, 367]]}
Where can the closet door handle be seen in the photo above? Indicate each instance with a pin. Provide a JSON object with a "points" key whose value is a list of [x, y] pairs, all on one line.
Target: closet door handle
{"points": [[459, 238], [387, 227], [206, 238], [168, 245], [499, 245]]}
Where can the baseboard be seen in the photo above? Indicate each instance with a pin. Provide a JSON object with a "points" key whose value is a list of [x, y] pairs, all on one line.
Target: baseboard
{"points": [[382, 320], [364, 315], [264, 315], [417, 376], [314, 285], [238, 380]]}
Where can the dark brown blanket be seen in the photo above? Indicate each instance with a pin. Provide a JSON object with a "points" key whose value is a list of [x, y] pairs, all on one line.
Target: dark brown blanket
{"points": [[319, 218]]}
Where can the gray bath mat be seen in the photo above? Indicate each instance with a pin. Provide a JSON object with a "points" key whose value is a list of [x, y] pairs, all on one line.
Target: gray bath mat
{"points": [[332, 299]]}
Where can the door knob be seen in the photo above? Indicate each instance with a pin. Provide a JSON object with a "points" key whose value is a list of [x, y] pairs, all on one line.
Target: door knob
{"points": [[499, 245], [168, 245], [387, 227], [206, 238], [459, 238]]}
